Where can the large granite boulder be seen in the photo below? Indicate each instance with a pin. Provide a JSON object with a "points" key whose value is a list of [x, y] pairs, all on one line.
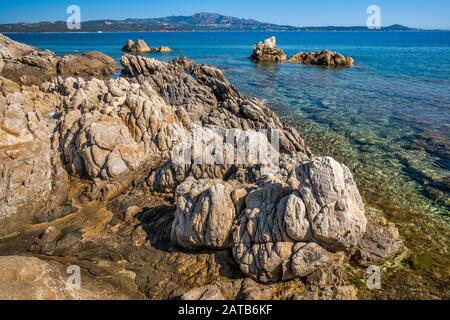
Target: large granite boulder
{"points": [[206, 211], [107, 131], [30, 167], [219, 107], [25, 64], [279, 233], [274, 237], [267, 51], [322, 58], [94, 64], [334, 205]]}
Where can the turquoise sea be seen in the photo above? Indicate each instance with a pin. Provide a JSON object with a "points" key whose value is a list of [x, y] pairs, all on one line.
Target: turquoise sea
{"points": [[388, 118]]}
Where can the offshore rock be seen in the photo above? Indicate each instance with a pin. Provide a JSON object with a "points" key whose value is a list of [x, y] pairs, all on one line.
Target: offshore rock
{"points": [[141, 46], [164, 49], [322, 58], [267, 51]]}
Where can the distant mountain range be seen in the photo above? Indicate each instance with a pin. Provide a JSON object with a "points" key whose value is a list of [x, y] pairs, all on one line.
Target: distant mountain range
{"points": [[196, 22]]}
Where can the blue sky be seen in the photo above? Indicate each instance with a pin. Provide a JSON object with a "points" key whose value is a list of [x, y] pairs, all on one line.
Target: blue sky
{"points": [[414, 13]]}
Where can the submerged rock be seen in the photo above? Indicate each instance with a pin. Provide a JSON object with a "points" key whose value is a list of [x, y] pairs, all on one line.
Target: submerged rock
{"points": [[339, 293], [267, 51], [380, 243], [322, 58]]}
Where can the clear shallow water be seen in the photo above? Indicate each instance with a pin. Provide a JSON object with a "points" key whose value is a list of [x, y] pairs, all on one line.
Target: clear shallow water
{"points": [[387, 118]]}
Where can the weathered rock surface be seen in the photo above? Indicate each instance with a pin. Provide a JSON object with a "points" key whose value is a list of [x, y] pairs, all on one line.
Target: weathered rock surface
{"points": [[334, 205], [310, 257], [93, 63], [28, 65], [25, 64], [278, 237], [219, 107], [322, 58], [207, 293], [267, 51], [29, 278], [206, 211], [30, 169]]}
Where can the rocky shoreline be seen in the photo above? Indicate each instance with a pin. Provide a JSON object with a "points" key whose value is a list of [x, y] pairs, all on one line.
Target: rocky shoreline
{"points": [[88, 177]]}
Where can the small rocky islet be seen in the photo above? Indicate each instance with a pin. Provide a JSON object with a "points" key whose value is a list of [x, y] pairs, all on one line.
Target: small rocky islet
{"points": [[140, 46], [88, 179], [267, 51]]}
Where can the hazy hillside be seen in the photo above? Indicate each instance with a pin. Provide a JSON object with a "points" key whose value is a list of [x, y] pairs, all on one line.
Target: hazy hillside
{"points": [[196, 22]]}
